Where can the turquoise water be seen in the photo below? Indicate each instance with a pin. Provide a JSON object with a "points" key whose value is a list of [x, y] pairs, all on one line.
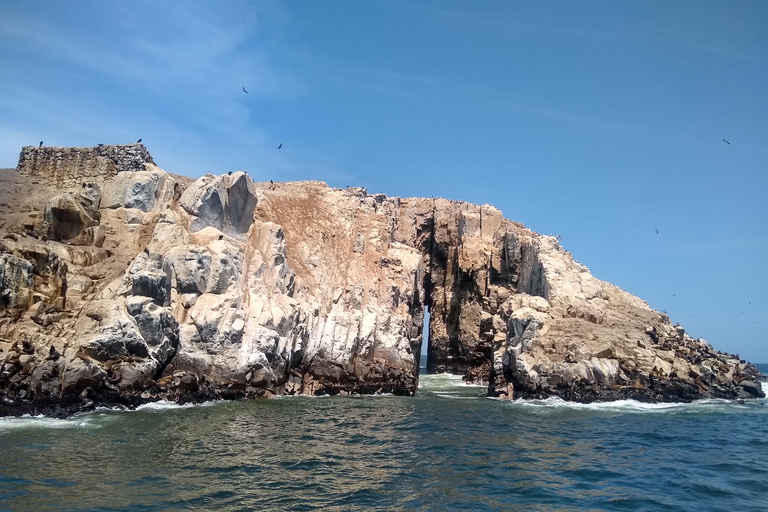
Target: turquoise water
{"points": [[449, 448]]}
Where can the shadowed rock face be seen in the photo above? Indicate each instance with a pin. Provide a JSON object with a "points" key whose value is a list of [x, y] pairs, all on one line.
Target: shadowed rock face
{"points": [[125, 285]]}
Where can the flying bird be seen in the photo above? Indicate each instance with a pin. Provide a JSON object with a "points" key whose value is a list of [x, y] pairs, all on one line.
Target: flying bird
{"points": [[246, 92], [281, 145], [726, 142], [657, 231], [138, 141]]}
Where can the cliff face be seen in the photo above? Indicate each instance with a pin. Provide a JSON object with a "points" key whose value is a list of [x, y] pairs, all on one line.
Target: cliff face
{"points": [[120, 283]]}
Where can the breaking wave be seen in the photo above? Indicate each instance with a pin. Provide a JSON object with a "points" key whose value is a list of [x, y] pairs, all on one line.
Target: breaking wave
{"points": [[444, 385], [42, 422]]}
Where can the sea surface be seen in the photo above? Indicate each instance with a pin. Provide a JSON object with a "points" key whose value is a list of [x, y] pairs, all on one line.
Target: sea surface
{"points": [[449, 448]]}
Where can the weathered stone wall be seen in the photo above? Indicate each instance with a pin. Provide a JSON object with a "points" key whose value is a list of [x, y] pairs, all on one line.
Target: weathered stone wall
{"points": [[69, 167]]}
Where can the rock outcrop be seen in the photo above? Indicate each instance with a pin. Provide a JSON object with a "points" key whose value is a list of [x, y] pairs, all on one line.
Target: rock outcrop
{"points": [[121, 284], [69, 167]]}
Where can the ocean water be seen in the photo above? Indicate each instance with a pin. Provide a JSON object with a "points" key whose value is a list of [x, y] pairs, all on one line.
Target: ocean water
{"points": [[449, 448]]}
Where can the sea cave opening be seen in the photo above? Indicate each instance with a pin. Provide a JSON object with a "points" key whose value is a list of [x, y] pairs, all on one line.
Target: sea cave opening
{"points": [[425, 348]]}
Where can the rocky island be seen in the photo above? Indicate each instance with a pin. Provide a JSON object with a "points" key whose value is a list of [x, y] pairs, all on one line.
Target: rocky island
{"points": [[122, 284]]}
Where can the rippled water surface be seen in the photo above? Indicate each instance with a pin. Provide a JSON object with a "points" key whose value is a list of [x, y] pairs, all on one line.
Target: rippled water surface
{"points": [[449, 448]]}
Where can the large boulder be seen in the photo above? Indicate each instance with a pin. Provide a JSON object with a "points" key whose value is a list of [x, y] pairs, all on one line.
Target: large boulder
{"points": [[223, 202], [142, 190], [16, 284], [67, 217]]}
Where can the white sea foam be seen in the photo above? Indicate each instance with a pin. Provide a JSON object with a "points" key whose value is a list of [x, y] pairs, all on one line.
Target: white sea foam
{"points": [[633, 406], [30, 422], [164, 405], [450, 386]]}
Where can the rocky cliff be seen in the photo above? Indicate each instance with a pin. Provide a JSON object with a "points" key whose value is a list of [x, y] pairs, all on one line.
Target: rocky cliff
{"points": [[121, 284]]}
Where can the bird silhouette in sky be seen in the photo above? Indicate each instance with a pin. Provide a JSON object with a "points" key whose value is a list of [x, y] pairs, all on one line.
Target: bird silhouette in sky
{"points": [[246, 92], [726, 142], [657, 231], [281, 145], [138, 141]]}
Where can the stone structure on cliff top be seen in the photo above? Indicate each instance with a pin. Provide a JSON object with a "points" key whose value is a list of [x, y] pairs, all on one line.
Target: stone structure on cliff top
{"points": [[121, 284]]}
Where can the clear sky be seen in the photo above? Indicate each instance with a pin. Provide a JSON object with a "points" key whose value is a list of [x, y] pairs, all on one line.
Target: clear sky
{"points": [[601, 122]]}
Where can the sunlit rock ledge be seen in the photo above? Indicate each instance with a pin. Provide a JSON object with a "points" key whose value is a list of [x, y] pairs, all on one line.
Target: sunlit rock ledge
{"points": [[122, 284]]}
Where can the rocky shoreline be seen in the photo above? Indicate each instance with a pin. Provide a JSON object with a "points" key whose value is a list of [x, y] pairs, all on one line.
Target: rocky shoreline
{"points": [[121, 284]]}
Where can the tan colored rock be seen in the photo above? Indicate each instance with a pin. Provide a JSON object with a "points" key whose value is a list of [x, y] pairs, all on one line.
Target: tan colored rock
{"points": [[225, 288]]}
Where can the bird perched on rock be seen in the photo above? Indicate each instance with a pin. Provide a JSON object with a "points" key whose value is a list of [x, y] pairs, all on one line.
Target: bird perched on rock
{"points": [[221, 237], [146, 250], [41, 144], [229, 173], [138, 141], [54, 354]]}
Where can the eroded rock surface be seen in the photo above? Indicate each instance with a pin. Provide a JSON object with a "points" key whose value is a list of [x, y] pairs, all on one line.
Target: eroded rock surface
{"points": [[121, 284]]}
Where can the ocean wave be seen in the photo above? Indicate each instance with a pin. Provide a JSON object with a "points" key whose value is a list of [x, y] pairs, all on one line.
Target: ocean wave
{"points": [[31, 422], [445, 385], [709, 405], [164, 405]]}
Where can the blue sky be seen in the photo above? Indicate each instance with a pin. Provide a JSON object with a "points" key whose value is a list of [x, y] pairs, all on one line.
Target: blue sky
{"points": [[601, 122]]}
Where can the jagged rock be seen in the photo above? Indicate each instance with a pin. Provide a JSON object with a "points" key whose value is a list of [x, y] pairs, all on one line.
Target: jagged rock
{"points": [[16, 284], [69, 167], [30, 273], [154, 284], [140, 190], [189, 267], [67, 218], [230, 289], [223, 202]]}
